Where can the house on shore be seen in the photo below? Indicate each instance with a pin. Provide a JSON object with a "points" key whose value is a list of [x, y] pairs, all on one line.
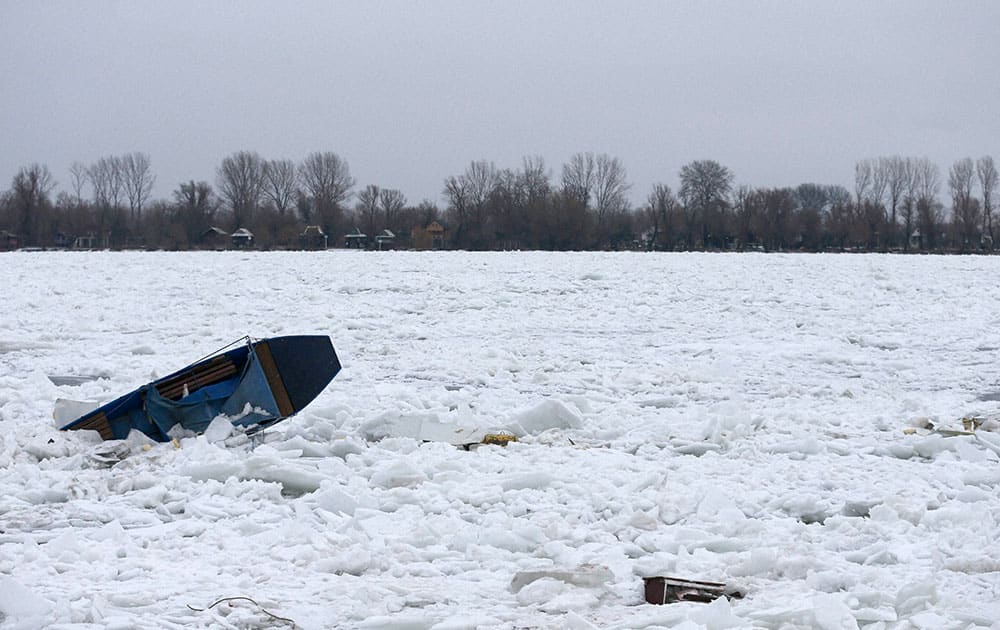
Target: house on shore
{"points": [[242, 238], [385, 240], [9, 241], [356, 239], [213, 238], [434, 235], [313, 237]]}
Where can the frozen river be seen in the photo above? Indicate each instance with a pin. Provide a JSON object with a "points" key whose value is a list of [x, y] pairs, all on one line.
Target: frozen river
{"points": [[761, 420]]}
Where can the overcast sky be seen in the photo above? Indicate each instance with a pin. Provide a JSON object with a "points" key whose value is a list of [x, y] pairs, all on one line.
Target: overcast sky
{"points": [[410, 92]]}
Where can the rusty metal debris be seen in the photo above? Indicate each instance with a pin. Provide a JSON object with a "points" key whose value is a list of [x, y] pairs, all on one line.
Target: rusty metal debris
{"points": [[499, 439], [668, 590]]}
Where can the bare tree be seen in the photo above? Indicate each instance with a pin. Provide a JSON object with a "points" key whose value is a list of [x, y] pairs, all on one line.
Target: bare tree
{"points": [[578, 177], [565, 223], [610, 193], [813, 202], [870, 181], [30, 198], [908, 206], [661, 206], [137, 180], [965, 209], [326, 178], [106, 179], [304, 207], [880, 180], [537, 189], [705, 183], [195, 208], [897, 173], [508, 210], [480, 178], [929, 215], [116, 180], [813, 196], [75, 216], [987, 172], [863, 173], [745, 208], [99, 179], [391, 204], [838, 219], [280, 184], [367, 208], [838, 195], [705, 187], [78, 175], [537, 185], [778, 207], [471, 201], [457, 194], [240, 179], [869, 225], [928, 178]]}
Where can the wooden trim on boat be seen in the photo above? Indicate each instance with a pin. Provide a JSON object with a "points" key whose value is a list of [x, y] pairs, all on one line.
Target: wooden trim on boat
{"points": [[215, 370], [99, 423], [273, 376]]}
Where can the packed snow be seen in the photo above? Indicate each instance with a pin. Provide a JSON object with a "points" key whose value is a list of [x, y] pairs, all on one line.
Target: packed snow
{"points": [[790, 425]]}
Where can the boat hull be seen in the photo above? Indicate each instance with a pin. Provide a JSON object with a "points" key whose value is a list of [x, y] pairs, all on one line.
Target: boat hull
{"points": [[256, 385]]}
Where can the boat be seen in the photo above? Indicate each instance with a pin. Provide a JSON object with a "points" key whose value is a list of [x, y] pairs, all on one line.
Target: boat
{"points": [[255, 384]]}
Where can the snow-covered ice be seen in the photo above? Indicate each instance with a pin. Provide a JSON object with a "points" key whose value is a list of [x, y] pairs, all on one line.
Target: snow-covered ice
{"points": [[760, 420]]}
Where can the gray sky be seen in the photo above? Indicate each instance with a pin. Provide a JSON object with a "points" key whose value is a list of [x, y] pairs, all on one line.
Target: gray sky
{"points": [[410, 92]]}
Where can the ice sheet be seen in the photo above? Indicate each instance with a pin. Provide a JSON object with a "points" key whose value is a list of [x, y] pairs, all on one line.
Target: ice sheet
{"points": [[754, 419]]}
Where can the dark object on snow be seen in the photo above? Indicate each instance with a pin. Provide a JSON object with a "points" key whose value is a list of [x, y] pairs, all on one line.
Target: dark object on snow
{"points": [[256, 384], [668, 590]]}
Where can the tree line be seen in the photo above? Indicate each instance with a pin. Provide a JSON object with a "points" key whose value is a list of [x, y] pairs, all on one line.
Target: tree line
{"points": [[895, 206]]}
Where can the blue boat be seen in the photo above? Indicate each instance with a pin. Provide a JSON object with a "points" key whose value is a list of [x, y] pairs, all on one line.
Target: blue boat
{"points": [[255, 385]]}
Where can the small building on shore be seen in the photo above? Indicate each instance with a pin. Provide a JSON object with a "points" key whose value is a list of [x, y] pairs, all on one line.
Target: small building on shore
{"points": [[9, 240], [434, 235], [356, 239], [313, 237], [242, 238], [213, 238], [385, 240]]}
